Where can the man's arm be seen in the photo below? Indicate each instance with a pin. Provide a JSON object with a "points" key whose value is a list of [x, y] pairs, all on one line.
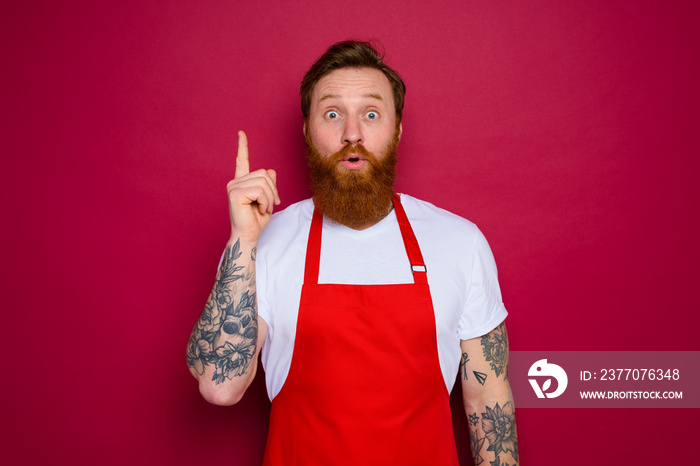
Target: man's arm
{"points": [[488, 400], [223, 349], [224, 346]]}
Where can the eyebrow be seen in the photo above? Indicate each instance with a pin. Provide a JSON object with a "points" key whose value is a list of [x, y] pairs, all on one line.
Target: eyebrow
{"points": [[371, 95]]}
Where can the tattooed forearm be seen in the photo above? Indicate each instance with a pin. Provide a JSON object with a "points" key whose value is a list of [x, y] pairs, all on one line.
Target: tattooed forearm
{"points": [[488, 400], [496, 429], [225, 336], [495, 347]]}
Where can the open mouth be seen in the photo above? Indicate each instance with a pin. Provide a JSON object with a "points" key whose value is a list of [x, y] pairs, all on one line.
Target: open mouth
{"points": [[353, 162]]}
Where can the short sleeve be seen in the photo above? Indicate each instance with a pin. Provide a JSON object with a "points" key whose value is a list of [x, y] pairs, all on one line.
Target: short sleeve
{"points": [[483, 309]]}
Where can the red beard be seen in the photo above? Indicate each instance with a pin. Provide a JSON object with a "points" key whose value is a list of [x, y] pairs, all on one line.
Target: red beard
{"points": [[355, 198]]}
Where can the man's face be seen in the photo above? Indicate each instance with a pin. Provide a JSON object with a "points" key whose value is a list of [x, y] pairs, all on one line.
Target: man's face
{"points": [[352, 137], [352, 106]]}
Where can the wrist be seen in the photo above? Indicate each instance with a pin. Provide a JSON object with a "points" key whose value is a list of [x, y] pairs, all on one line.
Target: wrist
{"points": [[245, 242]]}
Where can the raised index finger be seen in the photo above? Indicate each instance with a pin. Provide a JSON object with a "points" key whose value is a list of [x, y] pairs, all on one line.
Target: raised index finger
{"points": [[242, 163]]}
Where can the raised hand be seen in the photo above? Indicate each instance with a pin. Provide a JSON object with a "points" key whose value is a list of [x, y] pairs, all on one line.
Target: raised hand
{"points": [[251, 196]]}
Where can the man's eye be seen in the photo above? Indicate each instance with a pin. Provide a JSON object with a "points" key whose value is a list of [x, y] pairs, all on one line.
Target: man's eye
{"points": [[332, 114], [372, 115]]}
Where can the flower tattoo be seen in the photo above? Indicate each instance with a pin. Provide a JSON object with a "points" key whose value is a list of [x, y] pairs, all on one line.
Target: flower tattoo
{"points": [[499, 428], [225, 335], [495, 346]]}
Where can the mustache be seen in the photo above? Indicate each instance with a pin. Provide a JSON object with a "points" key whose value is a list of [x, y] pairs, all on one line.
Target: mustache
{"points": [[357, 149]]}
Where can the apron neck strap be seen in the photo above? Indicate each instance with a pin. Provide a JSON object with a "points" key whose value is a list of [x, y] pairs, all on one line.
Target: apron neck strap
{"points": [[313, 247], [410, 243]]}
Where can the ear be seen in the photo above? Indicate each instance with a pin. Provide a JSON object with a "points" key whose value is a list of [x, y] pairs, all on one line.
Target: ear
{"points": [[303, 129], [400, 130]]}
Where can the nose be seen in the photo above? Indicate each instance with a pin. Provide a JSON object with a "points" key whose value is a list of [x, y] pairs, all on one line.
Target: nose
{"points": [[352, 132]]}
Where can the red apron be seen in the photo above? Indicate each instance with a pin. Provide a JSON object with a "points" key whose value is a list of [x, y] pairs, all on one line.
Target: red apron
{"points": [[365, 385]]}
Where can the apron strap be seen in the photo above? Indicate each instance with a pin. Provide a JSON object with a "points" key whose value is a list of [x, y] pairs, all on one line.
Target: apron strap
{"points": [[411, 243], [313, 247]]}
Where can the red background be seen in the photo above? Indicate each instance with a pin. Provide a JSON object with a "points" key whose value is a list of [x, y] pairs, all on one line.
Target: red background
{"points": [[567, 130]]}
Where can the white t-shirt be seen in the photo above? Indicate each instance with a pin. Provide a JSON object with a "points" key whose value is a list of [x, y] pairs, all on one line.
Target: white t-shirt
{"points": [[460, 267]]}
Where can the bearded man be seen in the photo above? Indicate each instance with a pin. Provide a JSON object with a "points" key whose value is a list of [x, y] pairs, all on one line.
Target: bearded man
{"points": [[363, 303]]}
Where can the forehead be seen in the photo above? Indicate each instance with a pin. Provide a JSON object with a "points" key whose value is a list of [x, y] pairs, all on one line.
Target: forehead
{"points": [[353, 83]]}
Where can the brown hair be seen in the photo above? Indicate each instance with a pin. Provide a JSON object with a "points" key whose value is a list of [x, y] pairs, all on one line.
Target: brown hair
{"points": [[350, 54]]}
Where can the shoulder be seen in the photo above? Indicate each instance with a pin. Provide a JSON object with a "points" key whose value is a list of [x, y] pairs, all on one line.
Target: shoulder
{"points": [[427, 217], [444, 234]]}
